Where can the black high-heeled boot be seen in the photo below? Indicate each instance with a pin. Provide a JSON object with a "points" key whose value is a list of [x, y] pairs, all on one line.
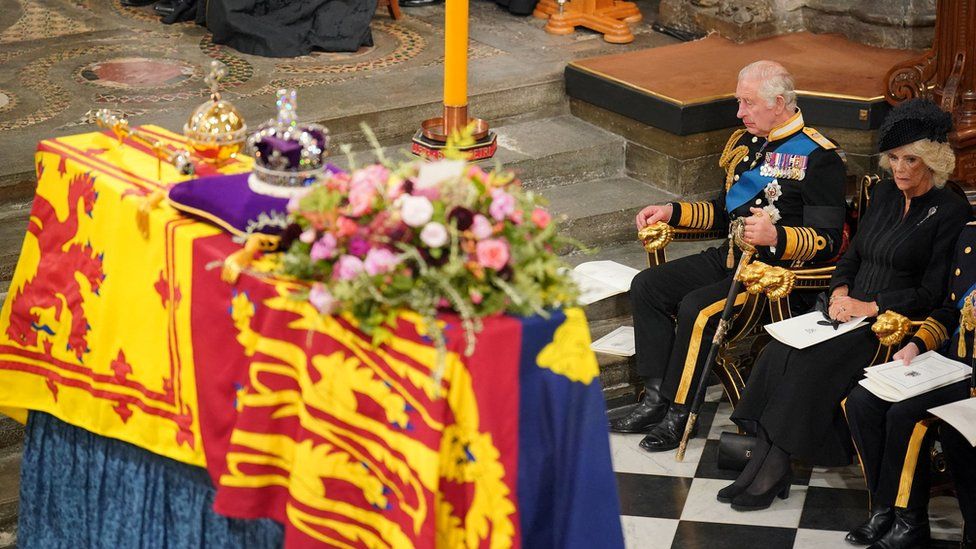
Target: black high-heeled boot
{"points": [[910, 529], [666, 435], [871, 530], [727, 494], [648, 412]]}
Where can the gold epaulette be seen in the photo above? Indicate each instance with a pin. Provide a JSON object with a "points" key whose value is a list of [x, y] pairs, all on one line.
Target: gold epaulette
{"points": [[818, 138], [731, 156]]}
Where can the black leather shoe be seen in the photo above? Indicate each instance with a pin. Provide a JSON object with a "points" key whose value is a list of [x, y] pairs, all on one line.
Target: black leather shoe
{"points": [[666, 435], [910, 529], [136, 3], [872, 529], [727, 494], [648, 412], [165, 7], [749, 502], [418, 3]]}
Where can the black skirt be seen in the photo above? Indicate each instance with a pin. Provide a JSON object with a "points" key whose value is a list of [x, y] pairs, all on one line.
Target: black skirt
{"points": [[796, 394], [289, 28]]}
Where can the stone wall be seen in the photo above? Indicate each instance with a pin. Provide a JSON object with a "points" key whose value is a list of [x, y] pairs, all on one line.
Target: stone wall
{"points": [[908, 24]]}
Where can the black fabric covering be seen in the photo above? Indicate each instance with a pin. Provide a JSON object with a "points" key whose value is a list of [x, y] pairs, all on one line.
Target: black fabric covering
{"points": [[518, 7], [282, 28], [913, 120], [901, 261]]}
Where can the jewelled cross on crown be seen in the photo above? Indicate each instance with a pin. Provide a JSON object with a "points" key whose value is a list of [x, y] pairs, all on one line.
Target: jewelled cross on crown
{"points": [[217, 73]]}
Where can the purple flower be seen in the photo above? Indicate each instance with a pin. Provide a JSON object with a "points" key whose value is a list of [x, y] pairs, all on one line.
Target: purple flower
{"points": [[502, 204], [324, 248], [434, 235], [321, 299], [358, 246], [347, 268], [379, 261]]}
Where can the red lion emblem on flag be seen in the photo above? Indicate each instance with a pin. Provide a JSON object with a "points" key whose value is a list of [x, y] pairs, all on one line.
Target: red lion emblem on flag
{"points": [[54, 303]]}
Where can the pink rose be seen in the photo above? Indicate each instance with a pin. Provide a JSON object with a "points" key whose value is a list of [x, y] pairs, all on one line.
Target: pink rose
{"points": [[476, 296], [476, 173], [372, 176], [324, 248], [502, 204], [320, 298], [361, 199], [346, 226], [379, 261], [347, 268], [541, 218], [434, 235], [416, 210], [481, 227], [492, 253]]}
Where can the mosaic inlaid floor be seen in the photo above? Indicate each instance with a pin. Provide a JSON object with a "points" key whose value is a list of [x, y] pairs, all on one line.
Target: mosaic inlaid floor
{"points": [[61, 58]]}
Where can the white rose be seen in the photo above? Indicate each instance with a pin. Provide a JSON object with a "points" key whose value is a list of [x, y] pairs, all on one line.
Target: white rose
{"points": [[416, 210]]}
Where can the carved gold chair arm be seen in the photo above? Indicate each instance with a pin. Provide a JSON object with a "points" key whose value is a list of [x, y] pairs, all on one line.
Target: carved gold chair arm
{"points": [[892, 329], [656, 237]]}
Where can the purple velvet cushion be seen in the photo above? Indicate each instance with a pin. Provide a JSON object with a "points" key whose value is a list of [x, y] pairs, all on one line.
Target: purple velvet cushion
{"points": [[227, 201]]}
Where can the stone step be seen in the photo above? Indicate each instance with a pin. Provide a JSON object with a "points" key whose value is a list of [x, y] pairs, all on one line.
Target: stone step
{"points": [[602, 211], [570, 151], [13, 226], [9, 494]]}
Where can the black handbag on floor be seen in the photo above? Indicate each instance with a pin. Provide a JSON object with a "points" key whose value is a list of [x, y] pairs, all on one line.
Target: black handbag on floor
{"points": [[734, 450]]}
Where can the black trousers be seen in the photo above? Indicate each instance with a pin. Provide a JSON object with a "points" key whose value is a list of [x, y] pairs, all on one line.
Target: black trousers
{"points": [[961, 457], [692, 289], [893, 441]]}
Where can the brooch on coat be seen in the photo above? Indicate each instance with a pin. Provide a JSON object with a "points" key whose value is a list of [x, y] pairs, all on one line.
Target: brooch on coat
{"points": [[784, 166]]}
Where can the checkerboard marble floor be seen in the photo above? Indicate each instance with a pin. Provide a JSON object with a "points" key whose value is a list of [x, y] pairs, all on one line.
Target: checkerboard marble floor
{"points": [[665, 503]]}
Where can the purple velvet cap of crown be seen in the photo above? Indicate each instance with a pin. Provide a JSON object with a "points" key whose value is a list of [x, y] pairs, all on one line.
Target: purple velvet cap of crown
{"points": [[229, 202], [290, 149]]}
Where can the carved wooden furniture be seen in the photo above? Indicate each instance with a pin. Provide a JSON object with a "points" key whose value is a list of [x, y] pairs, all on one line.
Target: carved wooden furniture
{"points": [[947, 75], [609, 17]]}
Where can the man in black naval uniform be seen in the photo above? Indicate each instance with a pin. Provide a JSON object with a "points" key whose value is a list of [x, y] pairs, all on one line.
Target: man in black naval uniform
{"points": [[787, 180]]}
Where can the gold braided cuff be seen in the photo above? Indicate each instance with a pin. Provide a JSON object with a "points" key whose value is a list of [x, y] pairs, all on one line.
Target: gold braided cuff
{"points": [[932, 333], [802, 243], [696, 215]]}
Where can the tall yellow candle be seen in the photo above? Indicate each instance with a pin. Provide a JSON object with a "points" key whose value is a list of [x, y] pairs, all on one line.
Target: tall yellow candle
{"points": [[456, 53]]}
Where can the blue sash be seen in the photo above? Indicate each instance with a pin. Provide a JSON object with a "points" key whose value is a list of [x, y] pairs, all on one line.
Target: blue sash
{"points": [[750, 183]]}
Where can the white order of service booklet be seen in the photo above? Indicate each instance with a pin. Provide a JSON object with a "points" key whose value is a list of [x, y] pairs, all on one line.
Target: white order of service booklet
{"points": [[619, 342], [602, 279], [894, 382], [961, 415], [807, 330]]}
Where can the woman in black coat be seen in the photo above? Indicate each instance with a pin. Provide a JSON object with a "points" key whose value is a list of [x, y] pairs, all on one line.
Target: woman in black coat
{"points": [[898, 260], [892, 439]]}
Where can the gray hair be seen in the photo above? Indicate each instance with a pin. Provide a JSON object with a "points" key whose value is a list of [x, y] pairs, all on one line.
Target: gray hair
{"points": [[938, 158], [773, 79]]}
